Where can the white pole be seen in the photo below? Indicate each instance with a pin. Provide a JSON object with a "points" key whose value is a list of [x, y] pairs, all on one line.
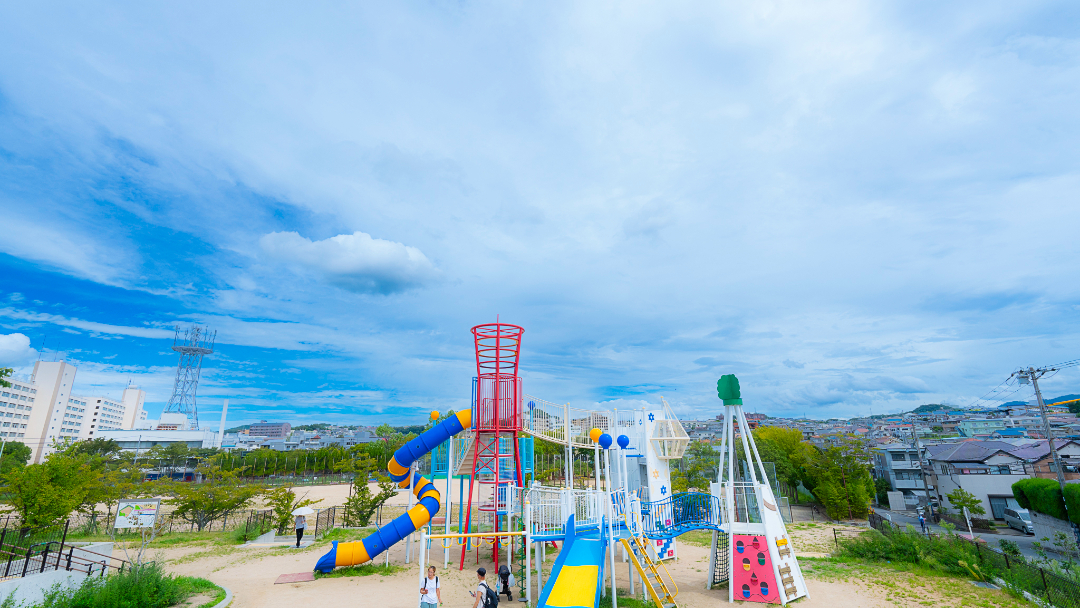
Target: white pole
{"points": [[729, 499], [449, 498], [408, 539], [421, 559], [221, 427], [528, 553], [611, 526]]}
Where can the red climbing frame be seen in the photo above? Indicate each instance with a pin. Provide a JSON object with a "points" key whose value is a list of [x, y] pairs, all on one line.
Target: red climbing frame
{"points": [[497, 415]]}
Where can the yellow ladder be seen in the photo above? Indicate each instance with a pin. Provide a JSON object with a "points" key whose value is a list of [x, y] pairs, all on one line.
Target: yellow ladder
{"points": [[660, 591]]}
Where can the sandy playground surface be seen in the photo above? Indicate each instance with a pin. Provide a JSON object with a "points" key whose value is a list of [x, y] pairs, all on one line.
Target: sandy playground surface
{"points": [[250, 574]]}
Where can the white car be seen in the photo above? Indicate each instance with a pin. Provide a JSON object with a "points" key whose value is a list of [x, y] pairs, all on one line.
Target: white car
{"points": [[1019, 519]]}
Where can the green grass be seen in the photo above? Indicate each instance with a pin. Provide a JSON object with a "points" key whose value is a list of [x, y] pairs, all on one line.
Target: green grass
{"points": [[624, 601], [365, 570], [148, 587], [698, 538], [346, 535]]}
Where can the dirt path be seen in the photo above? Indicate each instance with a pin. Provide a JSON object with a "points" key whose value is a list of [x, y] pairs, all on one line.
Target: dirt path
{"points": [[250, 574]]}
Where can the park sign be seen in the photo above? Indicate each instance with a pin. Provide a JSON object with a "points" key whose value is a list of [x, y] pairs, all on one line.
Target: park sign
{"points": [[137, 513]]}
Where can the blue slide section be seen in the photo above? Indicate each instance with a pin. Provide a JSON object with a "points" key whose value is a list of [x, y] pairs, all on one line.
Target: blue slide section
{"points": [[427, 505], [578, 573]]}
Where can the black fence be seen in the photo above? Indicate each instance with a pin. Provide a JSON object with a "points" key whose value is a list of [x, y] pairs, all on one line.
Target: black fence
{"points": [[327, 519], [1045, 584], [26, 551]]}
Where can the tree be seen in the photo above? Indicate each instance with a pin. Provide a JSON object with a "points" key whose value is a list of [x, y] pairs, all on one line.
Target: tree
{"points": [[841, 478], [283, 501], [96, 447], [45, 494], [699, 468], [16, 455], [5, 372], [220, 494], [961, 498], [362, 504], [881, 489]]}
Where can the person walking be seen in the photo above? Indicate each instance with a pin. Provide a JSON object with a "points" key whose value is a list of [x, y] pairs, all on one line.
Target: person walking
{"points": [[481, 589], [301, 524], [430, 590], [922, 522]]}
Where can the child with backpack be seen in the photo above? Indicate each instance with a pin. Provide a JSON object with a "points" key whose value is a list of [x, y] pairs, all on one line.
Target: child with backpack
{"points": [[485, 596], [430, 590]]}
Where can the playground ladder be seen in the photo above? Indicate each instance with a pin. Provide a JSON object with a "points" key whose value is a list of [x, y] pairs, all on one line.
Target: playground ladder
{"points": [[660, 592]]}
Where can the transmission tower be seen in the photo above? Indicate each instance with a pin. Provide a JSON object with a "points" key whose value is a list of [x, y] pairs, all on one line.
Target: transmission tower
{"points": [[193, 346]]}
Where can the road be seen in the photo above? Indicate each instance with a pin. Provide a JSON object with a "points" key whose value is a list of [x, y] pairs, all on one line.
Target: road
{"points": [[1025, 541]]}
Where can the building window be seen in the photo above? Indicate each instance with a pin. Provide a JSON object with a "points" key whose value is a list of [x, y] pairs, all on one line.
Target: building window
{"points": [[898, 457]]}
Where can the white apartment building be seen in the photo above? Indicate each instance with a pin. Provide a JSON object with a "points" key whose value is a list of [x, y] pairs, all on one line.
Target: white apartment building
{"points": [[43, 412]]}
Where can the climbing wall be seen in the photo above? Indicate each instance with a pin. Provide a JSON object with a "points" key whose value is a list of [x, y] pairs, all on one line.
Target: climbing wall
{"points": [[755, 580]]}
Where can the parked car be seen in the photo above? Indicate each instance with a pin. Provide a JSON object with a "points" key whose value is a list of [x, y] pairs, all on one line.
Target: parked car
{"points": [[1019, 519]]}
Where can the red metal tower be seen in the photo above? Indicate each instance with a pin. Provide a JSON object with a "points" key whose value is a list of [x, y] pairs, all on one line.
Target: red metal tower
{"points": [[496, 423]]}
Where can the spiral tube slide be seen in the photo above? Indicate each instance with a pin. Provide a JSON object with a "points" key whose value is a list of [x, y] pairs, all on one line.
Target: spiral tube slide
{"points": [[358, 552]]}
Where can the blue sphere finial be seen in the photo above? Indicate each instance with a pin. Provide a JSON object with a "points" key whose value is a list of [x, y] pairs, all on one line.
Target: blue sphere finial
{"points": [[532, 404], [623, 441], [605, 441]]}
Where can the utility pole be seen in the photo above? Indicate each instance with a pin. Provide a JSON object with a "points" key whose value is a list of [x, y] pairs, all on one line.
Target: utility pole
{"points": [[1032, 375], [918, 451]]}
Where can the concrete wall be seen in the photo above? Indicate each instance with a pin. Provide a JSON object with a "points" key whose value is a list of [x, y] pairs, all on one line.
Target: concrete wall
{"points": [[982, 486]]}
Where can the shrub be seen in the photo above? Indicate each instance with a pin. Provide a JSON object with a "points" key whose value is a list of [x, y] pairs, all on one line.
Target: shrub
{"points": [[949, 554], [145, 587], [1044, 496]]}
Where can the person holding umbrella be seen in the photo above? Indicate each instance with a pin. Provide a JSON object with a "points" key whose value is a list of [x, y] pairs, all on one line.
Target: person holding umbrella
{"points": [[301, 522]]}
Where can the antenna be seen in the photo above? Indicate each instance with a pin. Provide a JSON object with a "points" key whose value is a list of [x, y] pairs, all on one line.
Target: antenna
{"points": [[197, 342]]}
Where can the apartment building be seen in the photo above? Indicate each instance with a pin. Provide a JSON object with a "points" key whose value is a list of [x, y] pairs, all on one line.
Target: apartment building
{"points": [[42, 412]]}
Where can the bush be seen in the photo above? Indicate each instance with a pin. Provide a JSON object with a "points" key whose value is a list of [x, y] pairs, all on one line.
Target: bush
{"points": [[1044, 496], [145, 587], [950, 553]]}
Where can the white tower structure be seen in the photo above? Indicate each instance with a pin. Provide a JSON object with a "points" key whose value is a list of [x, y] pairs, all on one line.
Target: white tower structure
{"points": [[762, 564]]}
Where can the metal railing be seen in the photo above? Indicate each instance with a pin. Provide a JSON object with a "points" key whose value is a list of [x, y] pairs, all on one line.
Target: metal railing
{"points": [[27, 551], [680, 513]]}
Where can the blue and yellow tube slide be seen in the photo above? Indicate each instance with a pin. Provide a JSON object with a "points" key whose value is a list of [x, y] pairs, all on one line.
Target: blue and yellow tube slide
{"points": [[355, 553]]}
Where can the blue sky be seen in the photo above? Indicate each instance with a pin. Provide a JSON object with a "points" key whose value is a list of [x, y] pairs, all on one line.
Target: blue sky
{"points": [[855, 206]]}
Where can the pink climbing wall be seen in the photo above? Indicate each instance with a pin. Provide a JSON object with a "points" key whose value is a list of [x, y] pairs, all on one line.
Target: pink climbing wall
{"points": [[753, 577]]}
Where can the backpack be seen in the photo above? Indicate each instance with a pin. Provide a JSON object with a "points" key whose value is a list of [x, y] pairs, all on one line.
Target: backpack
{"points": [[491, 599]]}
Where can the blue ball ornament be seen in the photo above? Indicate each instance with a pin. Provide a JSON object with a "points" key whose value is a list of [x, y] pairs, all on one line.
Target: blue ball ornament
{"points": [[605, 441], [623, 441]]}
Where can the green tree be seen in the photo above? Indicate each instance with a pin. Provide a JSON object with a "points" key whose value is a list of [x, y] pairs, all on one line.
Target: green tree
{"points": [[961, 498], [361, 504], [698, 468], [841, 476], [47, 493], [16, 455], [5, 372], [96, 447], [220, 494], [283, 501]]}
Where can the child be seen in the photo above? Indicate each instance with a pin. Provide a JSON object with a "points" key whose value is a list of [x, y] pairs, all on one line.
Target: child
{"points": [[430, 591]]}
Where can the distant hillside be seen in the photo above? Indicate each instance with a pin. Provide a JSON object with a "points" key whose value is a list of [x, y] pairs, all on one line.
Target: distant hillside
{"points": [[238, 429], [932, 407]]}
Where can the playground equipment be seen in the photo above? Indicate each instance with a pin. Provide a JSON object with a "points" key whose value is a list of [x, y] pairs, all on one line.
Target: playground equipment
{"points": [[629, 510], [761, 564], [400, 467]]}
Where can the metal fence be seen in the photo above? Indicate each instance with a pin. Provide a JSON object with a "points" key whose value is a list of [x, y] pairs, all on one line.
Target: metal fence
{"points": [[27, 551], [1046, 584]]}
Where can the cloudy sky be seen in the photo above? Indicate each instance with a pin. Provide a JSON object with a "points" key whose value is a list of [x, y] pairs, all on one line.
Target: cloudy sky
{"points": [[855, 207]]}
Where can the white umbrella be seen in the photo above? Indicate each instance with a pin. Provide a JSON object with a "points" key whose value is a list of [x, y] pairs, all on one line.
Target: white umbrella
{"points": [[303, 511]]}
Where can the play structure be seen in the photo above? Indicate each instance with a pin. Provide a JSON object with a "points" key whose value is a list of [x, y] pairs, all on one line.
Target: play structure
{"points": [[627, 514]]}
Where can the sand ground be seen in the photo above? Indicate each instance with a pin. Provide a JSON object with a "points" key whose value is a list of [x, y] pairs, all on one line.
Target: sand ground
{"points": [[250, 574]]}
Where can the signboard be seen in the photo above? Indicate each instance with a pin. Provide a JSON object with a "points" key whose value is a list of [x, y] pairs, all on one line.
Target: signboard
{"points": [[137, 513]]}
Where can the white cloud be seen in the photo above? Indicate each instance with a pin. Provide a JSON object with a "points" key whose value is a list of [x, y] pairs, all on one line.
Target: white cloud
{"points": [[355, 262], [15, 350], [91, 326]]}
